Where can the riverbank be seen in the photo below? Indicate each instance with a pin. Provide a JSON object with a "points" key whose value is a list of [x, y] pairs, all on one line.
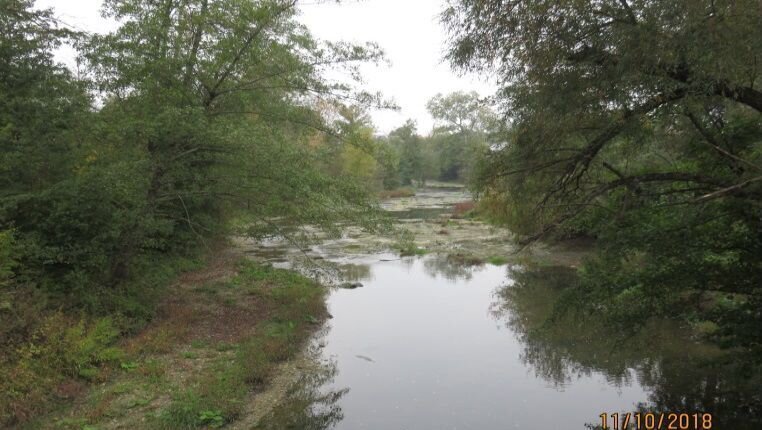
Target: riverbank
{"points": [[221, 334]]}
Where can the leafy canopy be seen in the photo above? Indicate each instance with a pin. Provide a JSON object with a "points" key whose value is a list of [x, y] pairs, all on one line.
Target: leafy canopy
{"points": [[639, 123]]}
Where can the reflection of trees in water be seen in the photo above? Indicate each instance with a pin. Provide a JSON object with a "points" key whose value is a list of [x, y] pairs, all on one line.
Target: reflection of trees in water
{"points": [[355, 272], [527, 305], [681, 375], [449, 268], [329, 272], [308, 405]]}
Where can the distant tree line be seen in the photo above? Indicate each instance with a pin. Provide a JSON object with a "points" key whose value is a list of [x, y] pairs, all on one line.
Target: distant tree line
{"points": [[465, 129]]}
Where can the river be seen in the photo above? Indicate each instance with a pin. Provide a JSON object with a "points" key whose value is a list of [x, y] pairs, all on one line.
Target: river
{"points": [[438, 342]]}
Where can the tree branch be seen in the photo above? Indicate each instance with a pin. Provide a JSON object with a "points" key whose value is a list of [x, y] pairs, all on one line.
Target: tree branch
{"points": [[580, 164], [225, 73], [708, 138]]}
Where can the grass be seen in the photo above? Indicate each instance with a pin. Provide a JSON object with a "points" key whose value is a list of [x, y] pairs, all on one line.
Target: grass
{"points": [[49, 356], [497, 260], [217, 394], [411, 251], [245, 320]]}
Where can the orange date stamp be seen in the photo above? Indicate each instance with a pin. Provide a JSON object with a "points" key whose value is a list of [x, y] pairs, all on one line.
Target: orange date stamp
{"points": [[656, 421]]}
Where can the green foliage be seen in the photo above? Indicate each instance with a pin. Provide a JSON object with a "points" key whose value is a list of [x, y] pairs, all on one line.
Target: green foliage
{"points": [[128, 365], [406, 245], [186, 116], [191, 131], [637, 123], [389, 161], [358, 151], [497, 260], [61, 348], [465, 125], [403, 157], [185, 412], [411, 156], [90, 346], [212, 419], [7, 258], [462, 112]]}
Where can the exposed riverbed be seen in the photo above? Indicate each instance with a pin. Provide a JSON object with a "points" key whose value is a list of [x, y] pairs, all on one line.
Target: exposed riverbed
{"points": [[443, 342]]}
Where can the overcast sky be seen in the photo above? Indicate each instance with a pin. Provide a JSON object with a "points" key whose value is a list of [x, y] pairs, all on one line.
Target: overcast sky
{"points": [[408, 30]]}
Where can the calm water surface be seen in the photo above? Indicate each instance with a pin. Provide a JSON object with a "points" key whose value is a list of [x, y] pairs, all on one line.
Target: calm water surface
{"points": [[427, 343], [442, 360]]}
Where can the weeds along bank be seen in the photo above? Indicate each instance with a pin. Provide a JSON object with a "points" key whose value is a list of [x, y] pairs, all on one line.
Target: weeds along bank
{"points": [[219, 333], [52, 352]]}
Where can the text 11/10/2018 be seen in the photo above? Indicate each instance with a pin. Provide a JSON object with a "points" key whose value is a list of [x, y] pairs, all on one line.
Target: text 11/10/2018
{"points": [[656, 421]]}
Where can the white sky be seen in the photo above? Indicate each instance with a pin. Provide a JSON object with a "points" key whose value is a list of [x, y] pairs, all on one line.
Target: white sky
{"points": [[407, 30]]}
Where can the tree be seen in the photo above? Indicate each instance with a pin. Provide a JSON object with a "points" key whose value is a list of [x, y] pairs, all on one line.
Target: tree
{"points": [[358, 146], [205, 111], [187, 117], [636, 122], [462, 113], [44, 113], [465, 122], [408, 144]]}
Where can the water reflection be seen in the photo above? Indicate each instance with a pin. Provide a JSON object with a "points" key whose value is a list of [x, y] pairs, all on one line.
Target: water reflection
{"points": [[679, 374], [452, 269], [308, 405], [419, 350], [355, 272]]}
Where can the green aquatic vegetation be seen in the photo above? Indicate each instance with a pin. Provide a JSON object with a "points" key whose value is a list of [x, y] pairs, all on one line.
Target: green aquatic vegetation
{"points": [[497, 260], [406, 245], [411, 251]]}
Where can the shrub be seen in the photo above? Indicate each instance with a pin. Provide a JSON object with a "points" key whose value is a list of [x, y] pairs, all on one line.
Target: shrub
{"points": [[61, 348]]}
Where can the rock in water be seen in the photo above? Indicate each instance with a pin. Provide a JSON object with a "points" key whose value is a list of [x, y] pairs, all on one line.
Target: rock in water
{"points": [[350, 285]]}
